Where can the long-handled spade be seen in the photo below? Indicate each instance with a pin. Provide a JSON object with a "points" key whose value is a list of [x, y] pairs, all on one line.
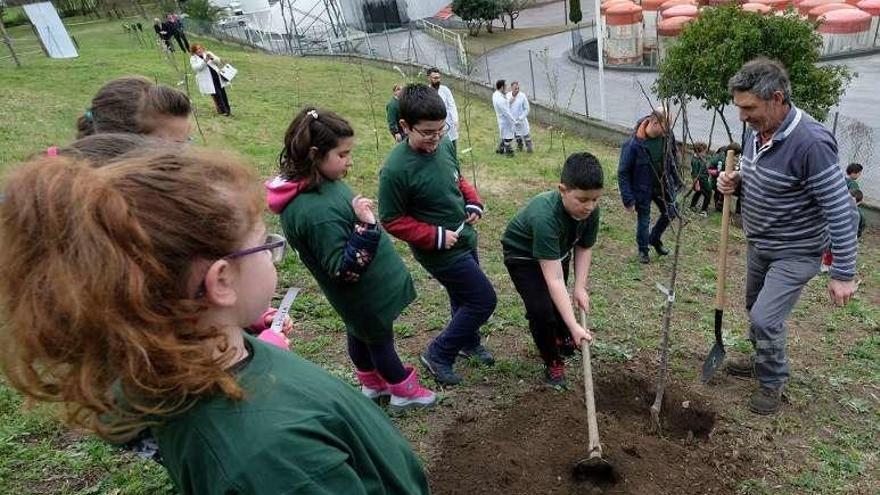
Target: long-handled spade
{"points": [[716, 355], [593, 467]]}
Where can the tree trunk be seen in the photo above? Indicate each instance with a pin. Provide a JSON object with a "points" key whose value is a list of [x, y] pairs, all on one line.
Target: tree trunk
{"points": [[720, 112]]}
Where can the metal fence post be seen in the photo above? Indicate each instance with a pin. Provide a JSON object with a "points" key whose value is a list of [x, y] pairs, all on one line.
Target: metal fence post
{"points": [[488, 74], [388, 41], [584, 79], [532, 72]]}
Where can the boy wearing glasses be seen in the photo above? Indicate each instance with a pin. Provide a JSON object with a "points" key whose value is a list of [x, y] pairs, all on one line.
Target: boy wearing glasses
{"points": [[424, 200]]}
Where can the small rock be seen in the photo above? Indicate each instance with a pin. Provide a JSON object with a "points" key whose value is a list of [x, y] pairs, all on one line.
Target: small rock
{"points": [[686, 404]]}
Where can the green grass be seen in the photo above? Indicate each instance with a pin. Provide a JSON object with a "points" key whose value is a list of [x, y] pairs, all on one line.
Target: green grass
{"points": [[825, 442]]}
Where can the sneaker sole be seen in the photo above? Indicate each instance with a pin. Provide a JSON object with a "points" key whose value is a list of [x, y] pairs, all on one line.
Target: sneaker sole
{"points": [[427, 365], [396, 410]]}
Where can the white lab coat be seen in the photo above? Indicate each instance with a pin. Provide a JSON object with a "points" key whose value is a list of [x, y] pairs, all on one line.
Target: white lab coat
{"points": [[502, 113], [203, 73], [451, 112], [519, 110]]}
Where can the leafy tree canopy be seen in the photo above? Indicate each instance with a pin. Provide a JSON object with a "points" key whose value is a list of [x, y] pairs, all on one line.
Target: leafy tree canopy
{"points": [[713, 47]]}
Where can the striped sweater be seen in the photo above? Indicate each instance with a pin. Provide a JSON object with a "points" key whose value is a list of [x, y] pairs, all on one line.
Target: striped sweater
{"points": [[794, 194]]}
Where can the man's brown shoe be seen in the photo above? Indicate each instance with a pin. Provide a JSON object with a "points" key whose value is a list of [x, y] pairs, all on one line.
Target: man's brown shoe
{"points": [[742, 367]]}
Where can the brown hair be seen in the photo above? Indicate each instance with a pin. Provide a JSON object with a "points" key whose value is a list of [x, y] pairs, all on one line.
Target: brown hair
{"points": [[311, 128], [100, 149], [131, 104], [195, 47], [700, 147], [95, 266]]}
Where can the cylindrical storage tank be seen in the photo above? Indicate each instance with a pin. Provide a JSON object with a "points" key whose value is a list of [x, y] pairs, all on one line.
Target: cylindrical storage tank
{"points": [[604, 8], [844, 30], [717, 3], [668, 4], [679, 11], [775, 5], [650, 11], [872, 7], [854, 3], [816, 12], [623, 38], [806, 6], [668, 30], [758, 8]]}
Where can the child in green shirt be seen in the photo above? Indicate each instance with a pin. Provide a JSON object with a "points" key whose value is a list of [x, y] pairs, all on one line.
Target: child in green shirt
{"points": [[339, 241], [538, 245], [424, 200], [703, 182], [158, 262]]}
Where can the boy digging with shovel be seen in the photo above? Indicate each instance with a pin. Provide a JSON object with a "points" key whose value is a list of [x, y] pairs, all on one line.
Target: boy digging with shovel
{"points": [[538, 245]]}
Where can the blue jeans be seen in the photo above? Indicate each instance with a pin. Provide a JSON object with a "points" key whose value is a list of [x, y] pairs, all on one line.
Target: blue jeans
{"points": [[472, 300], [643, 211]]}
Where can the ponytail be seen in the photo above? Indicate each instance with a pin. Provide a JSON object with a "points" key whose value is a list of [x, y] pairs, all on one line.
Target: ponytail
{"points": [[132, 105], [308, 139], [95, 266]]}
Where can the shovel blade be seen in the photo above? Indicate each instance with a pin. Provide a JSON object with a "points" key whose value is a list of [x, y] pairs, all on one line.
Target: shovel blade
{"points": [[596, 470], [713, 362]]}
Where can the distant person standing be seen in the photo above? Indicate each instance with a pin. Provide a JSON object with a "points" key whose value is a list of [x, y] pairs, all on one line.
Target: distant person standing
{"points": [[646, 174], [519, 110], [162, 32], [175, 26], [392, 113], [505, 119], [449, 102], [204, 64]]}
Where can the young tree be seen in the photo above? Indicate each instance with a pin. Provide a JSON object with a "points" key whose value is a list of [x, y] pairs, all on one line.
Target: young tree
{"points": [[476, 13], [714, 46], [202, 10], [512, 8]]}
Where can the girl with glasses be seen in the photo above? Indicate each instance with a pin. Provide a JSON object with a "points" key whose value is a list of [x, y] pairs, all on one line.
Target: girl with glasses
{"points": [[124, 290], [339, 241]]}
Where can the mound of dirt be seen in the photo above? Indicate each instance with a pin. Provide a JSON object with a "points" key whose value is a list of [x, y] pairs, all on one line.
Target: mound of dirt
{"points": [[532, 446]]}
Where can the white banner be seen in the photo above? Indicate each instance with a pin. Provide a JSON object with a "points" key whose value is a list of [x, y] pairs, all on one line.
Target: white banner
{"points": [[53, 34]]}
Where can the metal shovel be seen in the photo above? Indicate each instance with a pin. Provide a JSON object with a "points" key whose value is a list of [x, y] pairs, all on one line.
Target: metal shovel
{"points": [[592, 468], [716, 355]]}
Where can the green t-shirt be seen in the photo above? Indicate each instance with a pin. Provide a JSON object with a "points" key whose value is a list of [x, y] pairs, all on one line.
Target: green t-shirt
{"points": [[392, 113], [298, 430], [425, 187], [319, 224], [655, 149], [543, 230], [852, 184]]}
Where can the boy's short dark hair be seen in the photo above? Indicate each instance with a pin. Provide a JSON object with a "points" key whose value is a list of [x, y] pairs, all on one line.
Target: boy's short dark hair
{"points": [[419, 102], [432, 70], [500, 83], [735, 147], [858, 195], [582, 171], [854, 168]]}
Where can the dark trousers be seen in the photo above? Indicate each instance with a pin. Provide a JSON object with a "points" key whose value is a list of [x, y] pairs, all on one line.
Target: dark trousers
{"points": [[667, 212], [380, 356], [545, 323], [472, 300], [706, 195], [221, 101], [182, 41]]}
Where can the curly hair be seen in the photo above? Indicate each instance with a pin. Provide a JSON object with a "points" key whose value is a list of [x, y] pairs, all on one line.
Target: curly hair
{"points": [[96, 265]]}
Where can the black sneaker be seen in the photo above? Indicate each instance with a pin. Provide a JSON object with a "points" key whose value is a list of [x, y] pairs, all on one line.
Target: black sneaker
{"points": [[479, 353], [442, 373], [661, 251], [554, 375], [644, 258]]}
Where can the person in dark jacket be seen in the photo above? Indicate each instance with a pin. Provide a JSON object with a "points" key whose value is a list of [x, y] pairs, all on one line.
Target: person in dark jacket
{"points": [[162, 32], [175, 28], [646, 173]]}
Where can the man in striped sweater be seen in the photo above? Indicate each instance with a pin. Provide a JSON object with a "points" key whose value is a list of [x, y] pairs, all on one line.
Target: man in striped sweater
{"points": [[795, 204]]}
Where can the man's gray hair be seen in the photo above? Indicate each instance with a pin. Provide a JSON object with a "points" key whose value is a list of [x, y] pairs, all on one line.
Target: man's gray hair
{"points": [[762, 77]]}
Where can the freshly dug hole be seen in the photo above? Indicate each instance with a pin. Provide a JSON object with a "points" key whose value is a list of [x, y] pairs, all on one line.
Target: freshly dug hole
{"points": [[531, 446]]}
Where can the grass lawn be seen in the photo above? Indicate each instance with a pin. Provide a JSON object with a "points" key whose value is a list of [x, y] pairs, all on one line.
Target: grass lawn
{"points": [[825, 441]]}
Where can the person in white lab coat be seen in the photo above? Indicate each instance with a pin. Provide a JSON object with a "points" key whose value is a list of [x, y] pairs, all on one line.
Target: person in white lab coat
{"points": [[205, 65], [451, 110], [505, 119], [519, 110]]}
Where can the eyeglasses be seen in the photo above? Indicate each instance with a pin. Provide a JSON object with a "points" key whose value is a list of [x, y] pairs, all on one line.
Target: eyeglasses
{"points": [[431, 134], [275, 244]]}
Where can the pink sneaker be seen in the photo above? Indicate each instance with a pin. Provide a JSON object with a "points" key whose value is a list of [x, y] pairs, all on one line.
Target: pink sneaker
{"points": [[373, 386], [410, 394]]}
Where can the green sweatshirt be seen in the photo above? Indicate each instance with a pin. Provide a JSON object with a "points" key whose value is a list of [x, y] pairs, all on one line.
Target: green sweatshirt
{"points": [[298, 430], [318, 224], [543, 230]]}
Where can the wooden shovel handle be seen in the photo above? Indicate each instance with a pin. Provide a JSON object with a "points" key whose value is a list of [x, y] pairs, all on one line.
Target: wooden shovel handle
{"points": [[594, 448], [722, 246]]}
